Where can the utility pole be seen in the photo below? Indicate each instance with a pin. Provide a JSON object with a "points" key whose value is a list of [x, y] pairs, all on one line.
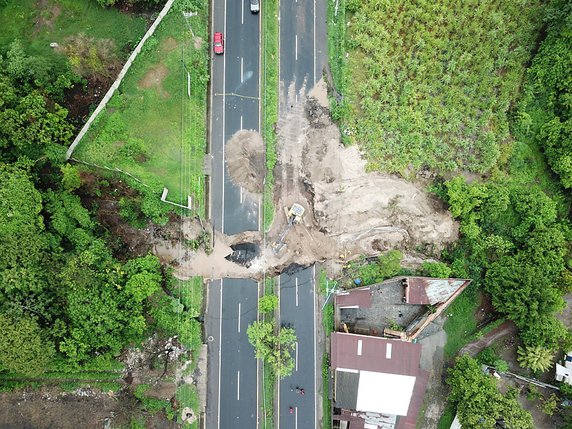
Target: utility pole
{"points": [[329, 292], [187, 15]]}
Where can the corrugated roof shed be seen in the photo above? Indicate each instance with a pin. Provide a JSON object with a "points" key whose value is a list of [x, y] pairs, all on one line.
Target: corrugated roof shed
{"points": [[354, 298], [423, 290]]}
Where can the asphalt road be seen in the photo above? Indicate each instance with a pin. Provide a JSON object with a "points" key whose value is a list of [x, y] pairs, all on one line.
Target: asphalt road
{"points": [[303, 42], [232, 371], [234, 106], [298, 310]]}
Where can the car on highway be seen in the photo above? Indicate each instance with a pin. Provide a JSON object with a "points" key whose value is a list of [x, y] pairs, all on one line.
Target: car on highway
{"points": [[254, 6], [218, 43]]}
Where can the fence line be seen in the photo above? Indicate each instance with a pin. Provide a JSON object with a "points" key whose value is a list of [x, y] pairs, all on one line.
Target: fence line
{"points": [[120, 77], [114, 169]]}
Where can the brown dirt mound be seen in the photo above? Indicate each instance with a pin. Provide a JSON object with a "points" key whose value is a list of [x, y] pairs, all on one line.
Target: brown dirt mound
{"points": [[154, 79], [245, 160]]}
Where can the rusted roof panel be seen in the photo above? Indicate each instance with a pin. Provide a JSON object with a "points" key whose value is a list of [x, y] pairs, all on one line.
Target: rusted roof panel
{"points": [[423, 290], [354, 298], [367, 353], [410, 421]]}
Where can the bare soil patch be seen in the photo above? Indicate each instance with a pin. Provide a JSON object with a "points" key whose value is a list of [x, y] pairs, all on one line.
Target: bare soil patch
{"points": [[154, 79], [169, 44], [198, 42], [48, 13], [245, 160]]}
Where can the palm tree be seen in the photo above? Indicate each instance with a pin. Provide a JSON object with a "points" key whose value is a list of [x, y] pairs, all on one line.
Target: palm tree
{"points": [[536, 358]]}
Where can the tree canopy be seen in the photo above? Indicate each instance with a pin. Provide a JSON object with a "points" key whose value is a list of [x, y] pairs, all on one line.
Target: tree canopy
{"points": [[478, 401]]}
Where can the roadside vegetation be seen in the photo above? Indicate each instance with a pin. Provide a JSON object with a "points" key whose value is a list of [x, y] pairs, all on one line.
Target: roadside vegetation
{"points": [[267, 309], [432, 86], [269, 102], [272, 343], [151, 128], [73, 302], [325, 288]]}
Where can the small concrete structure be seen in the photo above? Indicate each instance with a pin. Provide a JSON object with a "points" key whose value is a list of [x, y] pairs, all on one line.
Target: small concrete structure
{"points": [[564, 372]]}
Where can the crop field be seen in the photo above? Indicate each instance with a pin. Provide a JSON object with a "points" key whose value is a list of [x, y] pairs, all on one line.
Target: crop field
{"points": [[431, 82], [154, 126]]}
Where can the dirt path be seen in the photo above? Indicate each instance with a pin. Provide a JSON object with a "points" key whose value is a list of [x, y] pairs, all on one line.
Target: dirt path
{"points": [[476, 346]]}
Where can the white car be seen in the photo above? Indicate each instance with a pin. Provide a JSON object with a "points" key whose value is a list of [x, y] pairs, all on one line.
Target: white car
{"points": [[254, 6]]}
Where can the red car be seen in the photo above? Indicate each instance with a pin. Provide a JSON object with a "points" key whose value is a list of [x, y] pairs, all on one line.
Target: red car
{"points": [[218, 43]]}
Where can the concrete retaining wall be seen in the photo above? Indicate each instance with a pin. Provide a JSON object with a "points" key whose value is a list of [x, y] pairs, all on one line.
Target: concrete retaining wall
{"points": [[117, 82]]}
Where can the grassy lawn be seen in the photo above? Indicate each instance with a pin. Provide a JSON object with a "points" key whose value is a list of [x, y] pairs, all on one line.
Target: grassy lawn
{"points": [[190, 293], [269, 101], [151, 128], [431, 83], [57, 20], [461, 325]]}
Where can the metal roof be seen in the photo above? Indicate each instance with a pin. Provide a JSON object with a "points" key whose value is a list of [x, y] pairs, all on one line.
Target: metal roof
{"points": [[423, 290], [373, 354], [354, 298]]}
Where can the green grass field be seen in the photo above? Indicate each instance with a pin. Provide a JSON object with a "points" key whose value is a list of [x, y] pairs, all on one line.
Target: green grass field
{"points": [[55, 20], [151, 128]]}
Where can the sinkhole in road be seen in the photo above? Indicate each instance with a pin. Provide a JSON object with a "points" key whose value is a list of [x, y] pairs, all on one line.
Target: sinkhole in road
{"points": [[243, 253]]}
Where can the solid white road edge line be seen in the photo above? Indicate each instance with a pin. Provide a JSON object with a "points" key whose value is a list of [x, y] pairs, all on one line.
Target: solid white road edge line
{"points": [[219, 352], [239, 313]]}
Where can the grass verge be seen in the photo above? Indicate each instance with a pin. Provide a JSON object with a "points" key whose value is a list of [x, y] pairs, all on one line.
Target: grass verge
{"points": [[337, 60], [461, 325], [268, 376], [269, 103], [326, 403], [154, 127], [187, 396], [269, 386], [447, 417]]}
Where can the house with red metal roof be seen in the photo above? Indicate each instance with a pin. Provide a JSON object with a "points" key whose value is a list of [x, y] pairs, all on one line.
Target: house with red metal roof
{"points": [[377, 381], [375, 358]]}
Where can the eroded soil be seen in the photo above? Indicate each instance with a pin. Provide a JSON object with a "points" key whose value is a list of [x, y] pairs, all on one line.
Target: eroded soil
{"points": [[348, 211]]}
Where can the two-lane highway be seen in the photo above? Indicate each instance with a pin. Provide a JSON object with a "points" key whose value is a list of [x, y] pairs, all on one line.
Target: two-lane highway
{"points": [[298, 310], [232, 369], [234, 107], [303, 43]]}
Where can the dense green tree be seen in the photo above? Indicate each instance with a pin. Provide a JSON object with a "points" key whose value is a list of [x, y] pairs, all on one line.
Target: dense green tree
{"points": [[23, 244], [535, 358], [436, 269], [268, 303], [546, 112], [33, 129], [23, 347], [273, 345], [478, 401], [103, 301], [523, 291]]}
